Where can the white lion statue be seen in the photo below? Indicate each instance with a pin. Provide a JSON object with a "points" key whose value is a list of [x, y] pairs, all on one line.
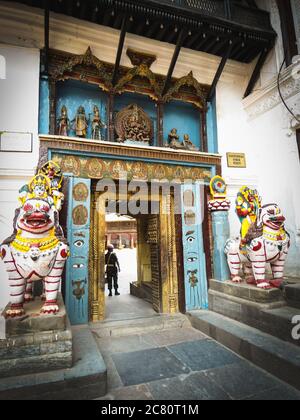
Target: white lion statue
{"points": [[267, 241], [35, 251]]}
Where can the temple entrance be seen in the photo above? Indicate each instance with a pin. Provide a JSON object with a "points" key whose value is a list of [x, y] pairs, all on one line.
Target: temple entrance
{"points": [[155, 284], [128, 236], [169, 268]]}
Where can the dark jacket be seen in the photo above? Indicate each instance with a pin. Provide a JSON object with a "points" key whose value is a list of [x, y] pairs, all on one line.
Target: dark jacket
{"points": [[112, 262]]}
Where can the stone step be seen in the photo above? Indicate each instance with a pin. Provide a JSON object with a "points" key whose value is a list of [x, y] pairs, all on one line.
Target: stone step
{"points": [[272, 318], [139, 325], [86, 380], [279, 322], [277, 357], [36, 352], [245, 291], [292, 295], [33, 322]]}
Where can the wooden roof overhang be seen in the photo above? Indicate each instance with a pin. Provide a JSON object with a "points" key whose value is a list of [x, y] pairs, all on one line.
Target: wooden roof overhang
{"points": [[232, 29], [209, 24]]}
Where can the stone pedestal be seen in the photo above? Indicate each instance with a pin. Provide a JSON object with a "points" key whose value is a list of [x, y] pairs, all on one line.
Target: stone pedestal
{"points": [[36, 343], [42, 358]]}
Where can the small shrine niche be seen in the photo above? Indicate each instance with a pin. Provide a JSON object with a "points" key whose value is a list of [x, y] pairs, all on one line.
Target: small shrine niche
{"points": [[81, 110]]}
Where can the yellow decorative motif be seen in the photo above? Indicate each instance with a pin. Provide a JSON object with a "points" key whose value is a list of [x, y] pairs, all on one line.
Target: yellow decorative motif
{"points": [[44, 244], [248, 203]]}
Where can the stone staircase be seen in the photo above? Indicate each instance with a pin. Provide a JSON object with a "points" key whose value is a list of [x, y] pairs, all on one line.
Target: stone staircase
{"points": [[271, 311], [272, 354], [256, 324]]}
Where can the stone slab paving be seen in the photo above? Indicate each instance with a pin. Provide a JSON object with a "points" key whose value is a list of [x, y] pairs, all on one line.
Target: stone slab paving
{"points": [[183, 364]]}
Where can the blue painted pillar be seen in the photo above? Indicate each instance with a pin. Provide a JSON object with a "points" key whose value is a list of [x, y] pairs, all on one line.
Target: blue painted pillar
{"points": [[44, 107], [221, 233], [219, 206]]}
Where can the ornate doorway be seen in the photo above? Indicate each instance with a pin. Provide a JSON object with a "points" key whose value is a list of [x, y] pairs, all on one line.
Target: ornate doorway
{"points": [[157, 233]]}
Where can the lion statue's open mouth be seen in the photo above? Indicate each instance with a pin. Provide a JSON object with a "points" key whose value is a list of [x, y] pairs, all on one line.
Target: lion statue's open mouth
{"points": [[276, 222], [36, 220]]}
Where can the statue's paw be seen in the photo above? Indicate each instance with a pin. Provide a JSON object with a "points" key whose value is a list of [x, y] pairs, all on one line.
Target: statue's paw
{"points": [[251, 280], [264, 285], [14, 313], [237, 279], [52, 309], [276, 283], [28, 298]]}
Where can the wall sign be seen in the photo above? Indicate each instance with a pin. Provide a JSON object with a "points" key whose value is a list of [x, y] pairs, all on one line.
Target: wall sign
{"points": [[16, 142], [236, 160]]}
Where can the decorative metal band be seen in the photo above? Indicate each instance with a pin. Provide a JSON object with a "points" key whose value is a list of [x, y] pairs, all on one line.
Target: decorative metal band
{"points": [[96, 168], [121, 150]]}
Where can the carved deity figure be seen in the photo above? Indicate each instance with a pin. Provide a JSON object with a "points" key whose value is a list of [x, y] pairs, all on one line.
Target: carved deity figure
{"points": [[133, 124], [188, 144], [174, 139], [135, 129], [97, 125], [248, 204], [80, 123], [35, 251], [63, 122], [53, 172]]}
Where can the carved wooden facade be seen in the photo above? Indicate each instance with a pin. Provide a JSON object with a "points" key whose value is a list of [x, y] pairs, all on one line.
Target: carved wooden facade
{"points": [[139, 80]]}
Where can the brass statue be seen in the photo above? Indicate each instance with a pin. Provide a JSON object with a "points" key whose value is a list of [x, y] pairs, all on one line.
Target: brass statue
{"points": [[63, 122], [188, 144], [133, 124], [97, 125], [175, 143], [174, 140], [80, 123]]}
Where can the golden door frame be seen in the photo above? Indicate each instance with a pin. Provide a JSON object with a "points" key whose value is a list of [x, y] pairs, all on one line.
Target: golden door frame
{"points": [[168, 256]]}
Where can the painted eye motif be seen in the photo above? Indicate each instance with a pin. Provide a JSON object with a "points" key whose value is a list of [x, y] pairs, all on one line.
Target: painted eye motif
{"points": [[79, 244], [192, 259], [190, 239], [78, 265], [28, 207]]}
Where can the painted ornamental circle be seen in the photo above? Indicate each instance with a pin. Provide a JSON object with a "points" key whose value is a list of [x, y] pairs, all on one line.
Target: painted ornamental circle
{"points": [[80, 215], [95, 168], [80, 192]]}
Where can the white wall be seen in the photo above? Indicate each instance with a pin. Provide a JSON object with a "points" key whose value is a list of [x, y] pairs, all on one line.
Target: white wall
{"points": [[264, 135], [19, 93]]}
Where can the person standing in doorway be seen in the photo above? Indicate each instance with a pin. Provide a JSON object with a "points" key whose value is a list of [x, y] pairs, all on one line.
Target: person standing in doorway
{"points": [[112, 270]]}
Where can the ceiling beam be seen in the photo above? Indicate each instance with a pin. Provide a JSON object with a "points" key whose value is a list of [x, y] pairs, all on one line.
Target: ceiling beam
{"points": [[180, 40], [219, 72], [256, 73], [120, 49]]}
